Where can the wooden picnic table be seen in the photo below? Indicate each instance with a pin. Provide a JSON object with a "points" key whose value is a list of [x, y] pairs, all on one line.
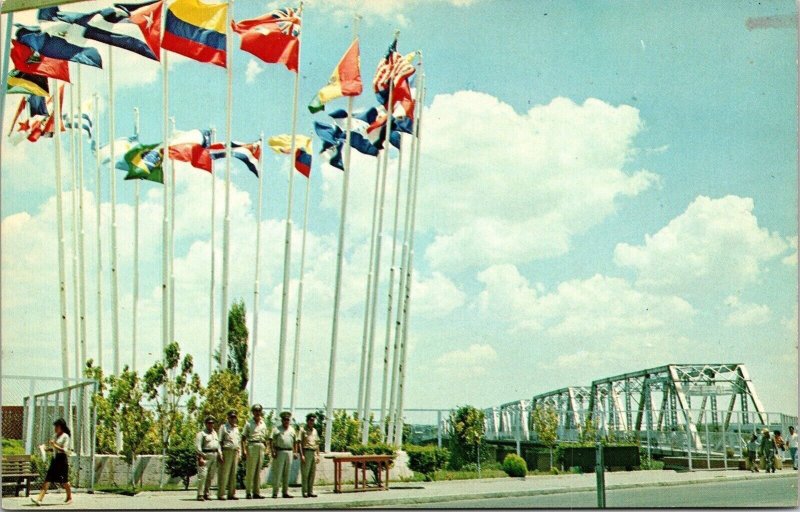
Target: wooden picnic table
{"points": [[360, 463]]}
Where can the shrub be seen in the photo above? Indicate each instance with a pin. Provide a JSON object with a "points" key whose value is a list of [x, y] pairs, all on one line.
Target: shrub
{"points": [[182, 463], [427, 460], [373, 449], [514, 465], [466, 438]]}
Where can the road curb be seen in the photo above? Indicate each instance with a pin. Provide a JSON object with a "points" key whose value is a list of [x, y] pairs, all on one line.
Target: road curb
{"points": [[419, 500]]}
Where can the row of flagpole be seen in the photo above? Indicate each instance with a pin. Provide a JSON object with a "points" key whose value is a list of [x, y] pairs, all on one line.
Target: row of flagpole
{"points": [[394, 388]]}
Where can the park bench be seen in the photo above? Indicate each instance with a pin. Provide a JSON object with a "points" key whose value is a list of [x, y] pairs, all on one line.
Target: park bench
{"points": [[360, 463], [17, 469]]}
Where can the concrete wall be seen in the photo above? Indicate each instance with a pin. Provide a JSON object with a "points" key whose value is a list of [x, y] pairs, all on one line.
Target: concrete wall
{"points": [[113, 470]]}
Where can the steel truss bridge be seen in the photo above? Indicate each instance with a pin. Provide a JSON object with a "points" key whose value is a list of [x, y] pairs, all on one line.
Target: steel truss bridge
{"points": [[677, 409]]}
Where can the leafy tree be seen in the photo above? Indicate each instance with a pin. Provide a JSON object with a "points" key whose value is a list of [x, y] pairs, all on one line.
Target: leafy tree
{"points": [[135, 422], [223, 393], [237, 343], [346, 430], [545, 423], [468, 432], [589, 431], [170, 384], [181, 462], [105, 429]]}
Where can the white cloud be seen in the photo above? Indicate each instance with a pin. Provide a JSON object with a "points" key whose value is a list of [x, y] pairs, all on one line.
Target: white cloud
{"points": [[436, 296], [473, 361], [743, 314], [791, 259], [508, 187], [715, 245], [253, 70]]}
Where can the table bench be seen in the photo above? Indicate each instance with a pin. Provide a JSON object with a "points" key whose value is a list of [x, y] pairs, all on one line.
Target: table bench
{"points": [[17, 469], [360, 463]]}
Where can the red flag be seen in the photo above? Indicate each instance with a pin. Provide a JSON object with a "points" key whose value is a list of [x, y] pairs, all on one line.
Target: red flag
{"points": [[148, 18], [272, 37], [27, 61]]}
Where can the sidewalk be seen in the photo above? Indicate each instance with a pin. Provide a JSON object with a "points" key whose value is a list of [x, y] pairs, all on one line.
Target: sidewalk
{"points": [[401, 493]]}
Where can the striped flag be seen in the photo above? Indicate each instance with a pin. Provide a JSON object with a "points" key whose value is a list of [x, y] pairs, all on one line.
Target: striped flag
{"points": [[27, 61], [247, 153], [115, 26], [196, 30], [191, 147], [60, 40], [393, 67]]}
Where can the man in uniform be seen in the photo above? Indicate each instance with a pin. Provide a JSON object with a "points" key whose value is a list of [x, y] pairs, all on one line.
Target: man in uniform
{"points": [[230, 439], [254, 441], [206, 444], [284, 443], [309, 455]]}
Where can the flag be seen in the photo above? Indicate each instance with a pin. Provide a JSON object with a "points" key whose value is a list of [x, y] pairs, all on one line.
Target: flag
{"points": [[27, 61], [344, 81], [302, 162], [196, 30], [84, 121], [366, 129], [111, 26], [21, 126], [273, 37], [333, 139], [147, 16], [121, 147], [144, 162], [44, 126], [283, 143], [26, 83], [60, 41], [393, 67], [191, 147], [249, 154]]}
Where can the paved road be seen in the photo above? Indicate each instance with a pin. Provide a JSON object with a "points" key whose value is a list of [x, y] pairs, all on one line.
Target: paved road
{"points": [[778, 492]]}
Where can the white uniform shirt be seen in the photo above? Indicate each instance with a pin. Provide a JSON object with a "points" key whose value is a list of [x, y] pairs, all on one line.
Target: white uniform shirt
{"points": [[792, 441], [63, 442]]}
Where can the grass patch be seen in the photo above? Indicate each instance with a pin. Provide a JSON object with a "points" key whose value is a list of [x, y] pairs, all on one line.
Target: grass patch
{"points": [[13, 447]]}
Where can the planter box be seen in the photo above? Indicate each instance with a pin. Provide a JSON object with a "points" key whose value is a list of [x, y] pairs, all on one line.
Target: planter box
{"points": [[616, 457]]}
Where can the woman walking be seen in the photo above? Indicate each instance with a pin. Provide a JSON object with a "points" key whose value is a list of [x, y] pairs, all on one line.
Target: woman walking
{"points": [[58, 472]]}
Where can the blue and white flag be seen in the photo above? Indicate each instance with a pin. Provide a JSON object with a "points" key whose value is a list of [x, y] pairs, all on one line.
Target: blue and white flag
{"points": [[365, 130], [249, 154], [111, 26], [84, 121], [60, 41], [332, 141]]}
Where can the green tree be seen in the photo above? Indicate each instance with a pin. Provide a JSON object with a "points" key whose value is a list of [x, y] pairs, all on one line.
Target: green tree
{"points": [[135, 422], [545, 423], [104, 431], [237, 343], [223, 393], [468, 432], [172, 384]]}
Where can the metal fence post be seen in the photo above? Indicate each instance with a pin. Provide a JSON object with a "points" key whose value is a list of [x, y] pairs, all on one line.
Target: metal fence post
{"points": [[599, 470], [689, 446], [708, 447], [439, 429], [93, 443]]}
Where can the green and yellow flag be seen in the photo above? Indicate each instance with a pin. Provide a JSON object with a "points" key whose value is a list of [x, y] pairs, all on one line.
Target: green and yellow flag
{"points": [[144, 162], [26, 83]]}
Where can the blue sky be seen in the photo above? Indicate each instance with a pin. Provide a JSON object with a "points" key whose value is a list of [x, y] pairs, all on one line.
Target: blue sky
{"points": [[605, 186]]}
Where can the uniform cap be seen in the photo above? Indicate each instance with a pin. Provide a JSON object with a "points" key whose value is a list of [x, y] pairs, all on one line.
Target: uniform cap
{"points": [[232, 414], [310, 415], [286, 414], [210, 419], [257, 407], [765, 431]]}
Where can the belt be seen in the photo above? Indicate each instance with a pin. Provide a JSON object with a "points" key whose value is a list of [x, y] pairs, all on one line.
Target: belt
{"points": [[310, 449], [209, 451], [284, 449], [256, 442]]}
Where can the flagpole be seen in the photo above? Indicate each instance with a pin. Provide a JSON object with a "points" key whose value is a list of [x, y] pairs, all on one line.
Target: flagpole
{"points": [[135, 329], [172, 293], [298, 320], [403, 267], [337, 293], [367, 302], [62, 293], [81, 233], [256, 286], [113, 185], [212, 288], [74, 182], [97, 219], [165, 220], [226, 227], [390, 299], [6, 60], [403, 369], [377, 264], [287, 249]]}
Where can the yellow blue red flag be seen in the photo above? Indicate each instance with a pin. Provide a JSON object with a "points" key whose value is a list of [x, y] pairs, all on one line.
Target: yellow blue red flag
{"points": [[196, 30]]}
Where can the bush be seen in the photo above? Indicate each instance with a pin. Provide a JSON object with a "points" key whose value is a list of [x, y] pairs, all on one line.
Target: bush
{"points": [[427, 460], [373, 449], [514, 465], [182, 463], [466, 438]]}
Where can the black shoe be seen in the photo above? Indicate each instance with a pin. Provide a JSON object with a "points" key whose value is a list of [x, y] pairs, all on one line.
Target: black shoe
{"points": [[233, 498], [248, 497], [274, 496], [288, 496], [258, 497], [312, 495]]}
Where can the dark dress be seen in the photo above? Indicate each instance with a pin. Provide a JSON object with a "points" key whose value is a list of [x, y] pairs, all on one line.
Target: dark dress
{"points": [[58, 472]]}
